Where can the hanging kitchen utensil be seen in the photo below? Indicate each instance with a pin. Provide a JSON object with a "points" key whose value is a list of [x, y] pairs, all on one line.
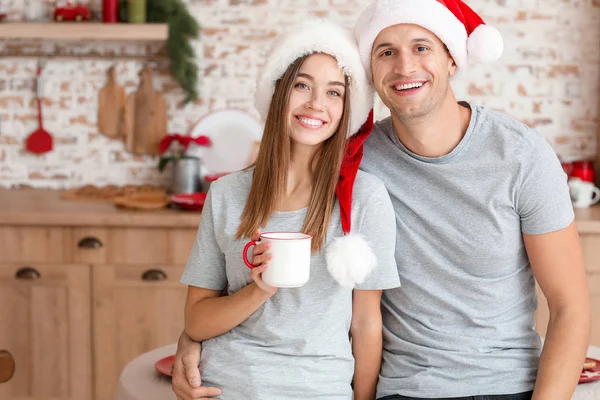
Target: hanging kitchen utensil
{"points": [[40, 141], [147, 111], [113, 120]]}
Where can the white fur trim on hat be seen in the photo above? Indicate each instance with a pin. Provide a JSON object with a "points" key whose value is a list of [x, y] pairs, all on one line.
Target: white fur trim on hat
{"points": [[429, 14], [350, 259], [317, 36], [485, 44]]}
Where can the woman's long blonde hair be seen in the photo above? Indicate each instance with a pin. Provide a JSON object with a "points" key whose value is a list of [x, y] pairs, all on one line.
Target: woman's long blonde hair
{"points": [[269, 181]]}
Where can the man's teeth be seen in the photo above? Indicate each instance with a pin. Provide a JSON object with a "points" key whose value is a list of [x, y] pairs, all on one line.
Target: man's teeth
{"points": [[409, 86], [311, 122]]}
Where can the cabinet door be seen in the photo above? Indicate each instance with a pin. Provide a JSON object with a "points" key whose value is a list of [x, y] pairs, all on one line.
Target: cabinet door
{"points": [[45, 324], [136, 309]]}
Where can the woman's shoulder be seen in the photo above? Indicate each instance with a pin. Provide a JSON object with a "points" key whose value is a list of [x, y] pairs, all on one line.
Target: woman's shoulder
{"points": [[230, 184], [367, 185]]}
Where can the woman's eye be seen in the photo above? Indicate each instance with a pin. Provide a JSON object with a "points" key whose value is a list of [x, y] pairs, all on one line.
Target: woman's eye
{"points": [[334, 93], [301, 85]]}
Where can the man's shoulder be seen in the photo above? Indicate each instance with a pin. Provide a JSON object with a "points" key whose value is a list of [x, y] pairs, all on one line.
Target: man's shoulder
{"points": [[500, 123], [382, 131]]}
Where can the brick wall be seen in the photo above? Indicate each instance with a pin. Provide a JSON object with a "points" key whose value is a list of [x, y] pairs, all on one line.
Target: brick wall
{"points": [[548, 77]]}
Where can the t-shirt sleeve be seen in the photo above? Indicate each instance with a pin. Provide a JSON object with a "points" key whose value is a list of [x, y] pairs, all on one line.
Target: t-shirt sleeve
{"points": [[543, 201], [378, 228], [205, 267]]}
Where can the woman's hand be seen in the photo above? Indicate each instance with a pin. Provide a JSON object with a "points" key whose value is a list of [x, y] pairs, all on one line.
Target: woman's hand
{"points": [[256, 275]]}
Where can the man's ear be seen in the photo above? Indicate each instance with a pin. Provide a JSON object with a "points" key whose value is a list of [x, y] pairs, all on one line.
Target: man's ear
{"points": [[451, 66]]}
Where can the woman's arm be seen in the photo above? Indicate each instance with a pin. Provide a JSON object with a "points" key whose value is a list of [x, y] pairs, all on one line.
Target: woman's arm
{"points": [[207, 314], [367, 342]]}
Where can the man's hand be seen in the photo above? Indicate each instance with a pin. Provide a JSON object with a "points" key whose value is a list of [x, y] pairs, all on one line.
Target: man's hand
{"points": [[186, 373]]}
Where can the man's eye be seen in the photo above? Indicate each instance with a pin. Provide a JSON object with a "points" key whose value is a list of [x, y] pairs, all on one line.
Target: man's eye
{"points": [[387, 53], [421, 48]]}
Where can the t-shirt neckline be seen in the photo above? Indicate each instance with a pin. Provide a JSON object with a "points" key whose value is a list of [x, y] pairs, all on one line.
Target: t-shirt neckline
{"points": [[446, 157]]}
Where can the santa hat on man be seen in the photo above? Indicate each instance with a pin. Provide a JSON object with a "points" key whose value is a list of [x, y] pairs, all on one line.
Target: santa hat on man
{"points": [[464, 33], [349, 258]]}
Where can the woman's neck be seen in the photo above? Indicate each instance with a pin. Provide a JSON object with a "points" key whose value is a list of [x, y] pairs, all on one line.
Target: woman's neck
{"points": [[299, 179]]}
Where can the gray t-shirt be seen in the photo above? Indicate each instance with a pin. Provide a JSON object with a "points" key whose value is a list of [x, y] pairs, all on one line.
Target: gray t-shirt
{"points": [[463, 322], [296, 345]]}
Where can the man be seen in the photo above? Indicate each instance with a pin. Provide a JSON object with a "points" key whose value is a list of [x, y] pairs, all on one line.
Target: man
{"points": [[482, 208]]}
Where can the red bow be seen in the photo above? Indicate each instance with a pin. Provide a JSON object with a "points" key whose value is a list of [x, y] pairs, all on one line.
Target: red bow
{"points": [[183, 140]]}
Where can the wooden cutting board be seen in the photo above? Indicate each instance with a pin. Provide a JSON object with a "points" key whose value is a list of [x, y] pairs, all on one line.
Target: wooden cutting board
{"points": [[147, 110], [113, 121]]}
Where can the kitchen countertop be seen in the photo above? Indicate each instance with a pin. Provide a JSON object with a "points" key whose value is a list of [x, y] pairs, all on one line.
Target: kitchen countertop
{"points": [[46, 207], [41, 207]]}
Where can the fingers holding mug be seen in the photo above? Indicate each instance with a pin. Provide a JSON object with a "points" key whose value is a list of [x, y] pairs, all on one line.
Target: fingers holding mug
{"points": [[256, 275]]}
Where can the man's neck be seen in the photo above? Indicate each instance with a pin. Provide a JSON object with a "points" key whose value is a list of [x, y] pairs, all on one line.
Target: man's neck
{"points": [[437, 133]]}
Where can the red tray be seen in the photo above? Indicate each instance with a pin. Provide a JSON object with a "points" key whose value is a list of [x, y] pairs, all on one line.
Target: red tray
{"points": [[192, 201], [165, 365], [590, 375]]}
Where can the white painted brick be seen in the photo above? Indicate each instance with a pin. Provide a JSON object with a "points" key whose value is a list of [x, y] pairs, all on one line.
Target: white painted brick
{"points": [[548, 76]]}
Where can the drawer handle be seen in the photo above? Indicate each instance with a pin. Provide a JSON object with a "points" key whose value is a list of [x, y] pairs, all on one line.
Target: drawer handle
{"points": [[154, 275], [7, 366], [27, 274], [90, 242]]}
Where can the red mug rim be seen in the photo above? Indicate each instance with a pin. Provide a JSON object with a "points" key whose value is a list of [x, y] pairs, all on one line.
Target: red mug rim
{"points": [[305, 236]]}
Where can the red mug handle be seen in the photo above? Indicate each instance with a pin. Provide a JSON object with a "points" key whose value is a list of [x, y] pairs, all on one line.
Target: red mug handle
{"points": [[245, 253]]}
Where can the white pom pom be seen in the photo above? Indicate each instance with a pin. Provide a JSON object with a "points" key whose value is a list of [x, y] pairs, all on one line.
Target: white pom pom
{"points": [[485, 44], [350, 260]]}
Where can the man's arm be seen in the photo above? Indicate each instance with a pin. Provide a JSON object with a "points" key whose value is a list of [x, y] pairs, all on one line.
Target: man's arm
{"points": [[557, 262], [186, 374], [367, 342]]}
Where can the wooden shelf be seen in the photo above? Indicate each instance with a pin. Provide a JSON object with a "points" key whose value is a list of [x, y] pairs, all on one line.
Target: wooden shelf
{"points": [[84, 31]]}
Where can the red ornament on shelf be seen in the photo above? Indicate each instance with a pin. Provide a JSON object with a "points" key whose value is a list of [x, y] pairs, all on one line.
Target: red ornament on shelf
{"points": [[78, 12], [110, 11]]}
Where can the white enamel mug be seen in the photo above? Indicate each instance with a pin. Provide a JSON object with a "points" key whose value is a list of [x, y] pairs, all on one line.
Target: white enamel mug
{"points": [[289, 266], [583, 194]]}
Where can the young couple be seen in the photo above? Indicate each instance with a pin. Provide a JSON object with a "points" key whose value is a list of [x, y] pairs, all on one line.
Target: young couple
{"points": [[479, 212]]}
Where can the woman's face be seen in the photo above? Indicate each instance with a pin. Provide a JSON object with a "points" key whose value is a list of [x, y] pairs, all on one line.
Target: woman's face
{"points": [[317, 100]]}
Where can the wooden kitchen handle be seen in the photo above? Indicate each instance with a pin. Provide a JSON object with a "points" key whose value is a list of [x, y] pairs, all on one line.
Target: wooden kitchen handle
{"points": [[7, 366], [154, 275], [27, 274], [90, 242]]}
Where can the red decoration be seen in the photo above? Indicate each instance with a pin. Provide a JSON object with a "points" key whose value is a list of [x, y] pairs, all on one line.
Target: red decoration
{"points": [[110, 11], [185, 141], [78, 12]]}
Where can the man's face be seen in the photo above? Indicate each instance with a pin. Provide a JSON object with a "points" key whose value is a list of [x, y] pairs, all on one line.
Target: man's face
{"points": [[411, 67]]}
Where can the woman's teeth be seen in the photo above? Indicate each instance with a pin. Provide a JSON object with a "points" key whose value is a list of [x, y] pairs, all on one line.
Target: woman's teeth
{"points": [[311, 122]]}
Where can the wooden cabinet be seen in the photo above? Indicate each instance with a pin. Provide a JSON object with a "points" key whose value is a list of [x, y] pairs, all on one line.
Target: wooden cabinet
{"points": [[80, 300], [46, 323], [136, 308], [138, 300], [591, 253]]}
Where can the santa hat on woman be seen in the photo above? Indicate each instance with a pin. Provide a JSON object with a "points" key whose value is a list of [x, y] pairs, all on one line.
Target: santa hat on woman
{"points": [[349, 258], [464, 33]]}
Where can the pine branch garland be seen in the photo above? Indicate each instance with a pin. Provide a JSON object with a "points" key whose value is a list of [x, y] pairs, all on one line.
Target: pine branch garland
{"points": [[183, 27]]}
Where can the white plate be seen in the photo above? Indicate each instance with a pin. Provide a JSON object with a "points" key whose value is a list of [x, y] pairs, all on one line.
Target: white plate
{"points": [[233, 134]]}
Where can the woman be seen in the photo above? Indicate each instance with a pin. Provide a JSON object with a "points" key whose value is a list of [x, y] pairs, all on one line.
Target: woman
{"points": [[260, 342]]}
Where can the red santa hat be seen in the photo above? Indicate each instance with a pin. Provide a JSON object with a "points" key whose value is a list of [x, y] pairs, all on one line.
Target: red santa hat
{"points": [[467, 37], [349, 258]]}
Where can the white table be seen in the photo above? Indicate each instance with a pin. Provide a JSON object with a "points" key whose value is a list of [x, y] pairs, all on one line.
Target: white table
{"points": [[140, 381]]}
